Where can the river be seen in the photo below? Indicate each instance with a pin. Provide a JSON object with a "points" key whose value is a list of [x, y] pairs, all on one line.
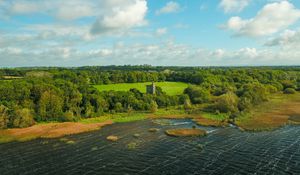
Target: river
{"points": [[222, 151]]}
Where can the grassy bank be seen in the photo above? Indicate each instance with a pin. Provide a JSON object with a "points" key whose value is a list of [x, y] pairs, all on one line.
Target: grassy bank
{"points": [[171, 88], [280, 110]]}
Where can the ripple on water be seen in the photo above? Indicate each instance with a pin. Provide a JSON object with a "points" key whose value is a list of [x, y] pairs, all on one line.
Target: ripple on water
{"points": [[223, 151]]}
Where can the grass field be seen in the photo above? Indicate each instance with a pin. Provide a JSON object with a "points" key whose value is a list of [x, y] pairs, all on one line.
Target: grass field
{"points": [[171, 88]]}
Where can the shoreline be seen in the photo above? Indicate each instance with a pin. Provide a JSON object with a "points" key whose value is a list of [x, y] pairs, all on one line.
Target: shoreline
{"points": [[267, 117]]}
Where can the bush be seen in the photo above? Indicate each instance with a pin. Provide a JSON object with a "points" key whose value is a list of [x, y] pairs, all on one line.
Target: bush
{"points": [[4, 118], [244, 103], [68, 117], [289, 91], [187, 104], [227, 103], [153, 107], [118, 107], [23, 118]]}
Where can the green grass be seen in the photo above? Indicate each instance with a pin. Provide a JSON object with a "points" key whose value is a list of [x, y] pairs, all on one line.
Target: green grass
{"points": [[218, 117], [117, 118], [171, 88]]}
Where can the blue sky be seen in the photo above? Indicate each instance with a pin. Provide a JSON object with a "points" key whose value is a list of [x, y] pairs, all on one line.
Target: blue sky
{"points": [[156, 32]]}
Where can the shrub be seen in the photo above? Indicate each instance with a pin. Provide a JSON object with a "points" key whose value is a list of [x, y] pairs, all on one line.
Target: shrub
{"points": [[118, 107], [227, 103], [271, 89], [68, 117], [4, 118], [23, 118], [153, 107], [187, 104], [289, 91]]}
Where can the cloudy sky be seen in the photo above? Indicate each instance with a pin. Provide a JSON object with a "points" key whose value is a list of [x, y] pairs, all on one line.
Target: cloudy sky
{"points": [[156, 32]]}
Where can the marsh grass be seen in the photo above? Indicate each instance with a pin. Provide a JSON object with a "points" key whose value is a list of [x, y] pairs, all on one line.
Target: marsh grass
{"points": [[183, 132], [275, 113], [49, 130]]}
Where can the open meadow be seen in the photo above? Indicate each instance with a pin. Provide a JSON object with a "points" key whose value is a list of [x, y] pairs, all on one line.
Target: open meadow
{"points": [[171, 88]]}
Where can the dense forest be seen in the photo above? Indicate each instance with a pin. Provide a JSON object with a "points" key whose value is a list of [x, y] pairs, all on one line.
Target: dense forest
{"points": [[30, 95]]}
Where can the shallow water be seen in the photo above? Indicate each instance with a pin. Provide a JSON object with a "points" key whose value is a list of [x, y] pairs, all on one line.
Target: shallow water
{"points": [[223, 151]]}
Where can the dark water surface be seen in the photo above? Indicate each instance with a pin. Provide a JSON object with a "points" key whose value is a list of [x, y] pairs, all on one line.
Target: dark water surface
{"points": [[223, 151]]}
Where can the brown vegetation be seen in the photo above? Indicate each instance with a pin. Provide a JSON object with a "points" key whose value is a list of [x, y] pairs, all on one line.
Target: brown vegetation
{"points": [[185, 132], [153, 130], [112, 138], [210, 122], [273, 115], [50, 130]]}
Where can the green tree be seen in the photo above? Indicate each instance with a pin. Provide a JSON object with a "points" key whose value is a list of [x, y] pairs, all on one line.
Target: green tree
{"points": [[198, 94], [23, 118], [227, 103], [50, 106]]}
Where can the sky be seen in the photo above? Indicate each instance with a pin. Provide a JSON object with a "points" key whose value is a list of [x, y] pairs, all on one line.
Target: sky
{"points": [[156, 32]]}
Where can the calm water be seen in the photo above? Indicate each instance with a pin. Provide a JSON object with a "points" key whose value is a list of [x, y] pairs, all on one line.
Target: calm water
{"points": [[223, 151]]}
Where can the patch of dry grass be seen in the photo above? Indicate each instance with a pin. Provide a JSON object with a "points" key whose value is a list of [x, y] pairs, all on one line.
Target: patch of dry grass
{"points": [[49, 130], [279, 111], [185, 132]]}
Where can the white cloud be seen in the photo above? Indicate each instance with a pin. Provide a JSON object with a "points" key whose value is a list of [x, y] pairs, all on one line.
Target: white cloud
{"points": [[247, 53], [124, 16], [161, 31], [155, 54], [230, 6], [287, 37], [170, 7], [219, 53], [273, 18], [63, 10]]}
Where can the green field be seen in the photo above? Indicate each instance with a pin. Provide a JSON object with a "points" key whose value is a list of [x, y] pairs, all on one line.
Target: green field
{"points": [[171, 88]]}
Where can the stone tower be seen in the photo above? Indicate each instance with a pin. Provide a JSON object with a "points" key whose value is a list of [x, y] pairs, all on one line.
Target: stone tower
{"points": [[150, 88]]}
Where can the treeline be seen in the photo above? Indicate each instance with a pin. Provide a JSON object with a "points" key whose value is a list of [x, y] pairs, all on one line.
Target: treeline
{"points": [[61, 94]]}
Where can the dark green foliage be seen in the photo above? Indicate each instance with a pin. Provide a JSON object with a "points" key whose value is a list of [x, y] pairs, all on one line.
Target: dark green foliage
{"points": [[289, 91], [198, 94]]}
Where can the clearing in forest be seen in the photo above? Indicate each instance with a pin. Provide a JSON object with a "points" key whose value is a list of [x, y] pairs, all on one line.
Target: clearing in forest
{"points": [[171, 88]]}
